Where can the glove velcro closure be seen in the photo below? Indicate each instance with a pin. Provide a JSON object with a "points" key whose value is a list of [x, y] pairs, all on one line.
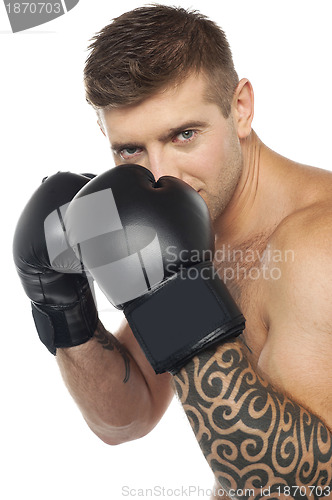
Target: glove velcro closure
{"points": [[66, 326], [184, 315]]}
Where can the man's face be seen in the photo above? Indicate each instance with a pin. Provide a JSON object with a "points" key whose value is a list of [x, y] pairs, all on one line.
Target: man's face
{"points": [[178, 132]]}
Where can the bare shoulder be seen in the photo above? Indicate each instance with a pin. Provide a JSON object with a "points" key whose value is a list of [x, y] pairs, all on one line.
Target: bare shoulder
{"points": [[300, 250], [303, 244], [297, 308]]}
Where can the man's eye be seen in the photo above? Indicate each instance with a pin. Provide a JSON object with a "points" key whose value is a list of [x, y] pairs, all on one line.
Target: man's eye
{"points": [[129, 152], [185, 136]]}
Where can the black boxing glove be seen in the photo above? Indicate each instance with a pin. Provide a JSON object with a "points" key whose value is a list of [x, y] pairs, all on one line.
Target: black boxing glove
{"points": [[149, 246], [52, 276]]}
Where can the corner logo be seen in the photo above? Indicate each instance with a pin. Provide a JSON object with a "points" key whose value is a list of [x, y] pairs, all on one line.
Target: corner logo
{"points": [[25, 15]]}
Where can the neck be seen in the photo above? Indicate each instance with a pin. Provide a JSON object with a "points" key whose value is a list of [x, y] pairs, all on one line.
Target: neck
{"points": [[257, 205]]}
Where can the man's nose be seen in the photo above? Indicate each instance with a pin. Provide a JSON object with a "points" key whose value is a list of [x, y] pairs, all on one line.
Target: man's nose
{"points": [[161, 163]]}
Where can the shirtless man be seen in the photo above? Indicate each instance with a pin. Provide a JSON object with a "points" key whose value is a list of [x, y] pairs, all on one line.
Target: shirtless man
{"points": [[168, 98]]}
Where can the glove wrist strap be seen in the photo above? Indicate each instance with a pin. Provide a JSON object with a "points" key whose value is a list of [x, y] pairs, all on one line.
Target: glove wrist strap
{"points": [[66, 326], [182, 316]]}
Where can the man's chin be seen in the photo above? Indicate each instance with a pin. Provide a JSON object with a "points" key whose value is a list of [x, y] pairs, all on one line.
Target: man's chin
{"points": [[203, 194], [205, 197]]}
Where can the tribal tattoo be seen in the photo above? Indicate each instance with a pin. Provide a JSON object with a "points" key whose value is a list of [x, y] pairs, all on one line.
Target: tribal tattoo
{"points": [[252, 436], [109, 342]]}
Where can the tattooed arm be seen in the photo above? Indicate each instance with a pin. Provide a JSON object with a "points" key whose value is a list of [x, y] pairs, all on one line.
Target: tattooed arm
{"points": [[270, 426], [114, 386], [252, 436]]}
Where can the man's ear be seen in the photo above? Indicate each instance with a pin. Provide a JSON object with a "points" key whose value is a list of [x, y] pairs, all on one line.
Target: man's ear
{"points": [[243, 108], [101, 127]]}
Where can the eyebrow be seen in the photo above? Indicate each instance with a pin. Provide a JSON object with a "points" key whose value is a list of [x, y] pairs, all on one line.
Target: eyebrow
{"points": [[118, 146]]}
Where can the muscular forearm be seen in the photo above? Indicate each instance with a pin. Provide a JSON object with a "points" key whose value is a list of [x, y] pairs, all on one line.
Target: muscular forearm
{"points": [[108, 387], [251, 435]]}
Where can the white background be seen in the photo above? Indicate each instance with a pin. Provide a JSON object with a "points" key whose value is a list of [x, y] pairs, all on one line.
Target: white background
{"points": [[284, 48]]}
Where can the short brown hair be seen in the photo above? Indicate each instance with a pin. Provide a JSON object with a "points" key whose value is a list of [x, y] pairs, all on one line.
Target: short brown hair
{"points": [[149, 48]]}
